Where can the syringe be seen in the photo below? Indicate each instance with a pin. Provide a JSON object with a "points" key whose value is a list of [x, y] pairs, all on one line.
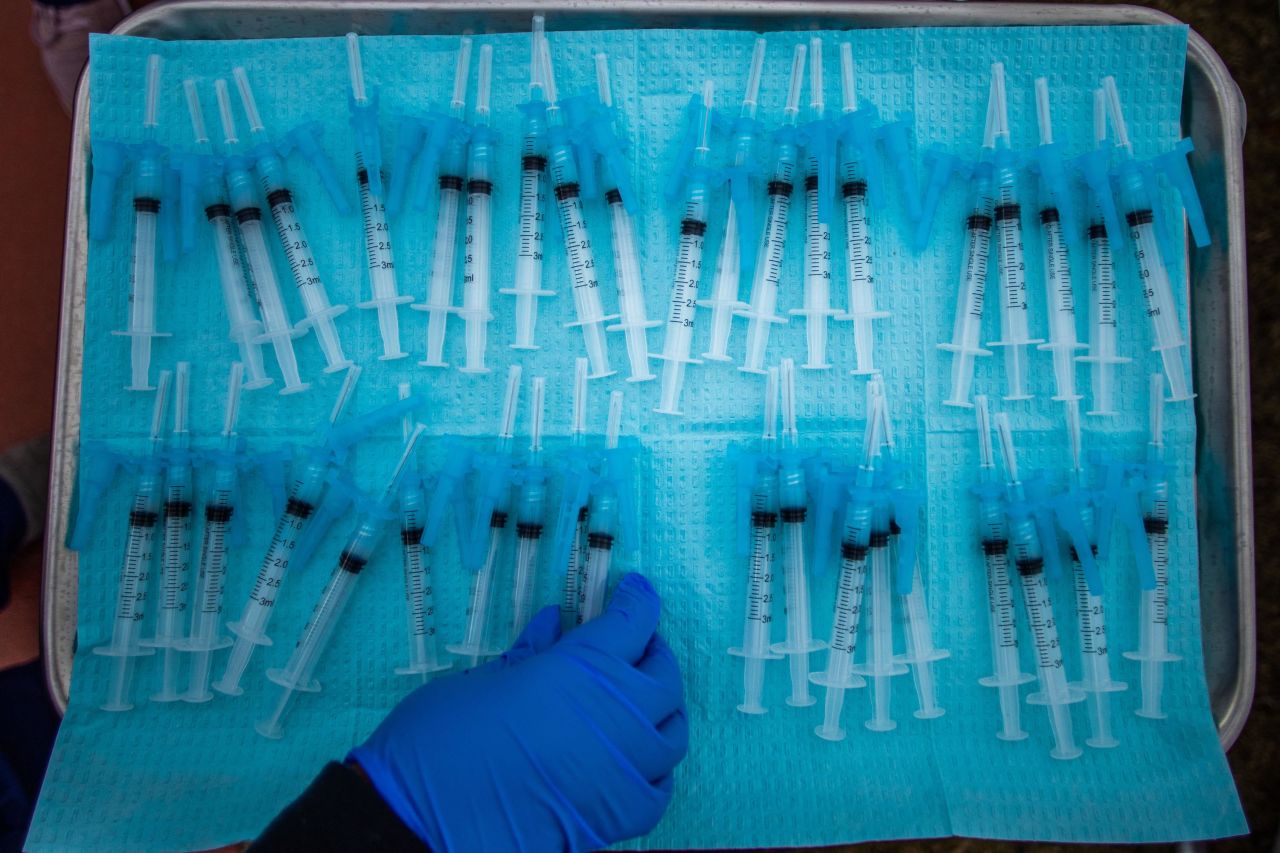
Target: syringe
{"points": [[494, 493], [993, 530], [761, 313], [1059, 296], [359, 550], [857, 150], [921, 652], [383, 292], [579, 255], [602, 523], [276, 327], [1153, 605], [304, 500], [758, 479], [1076, 515], [570, 547], [880, 664], [175, 560], [205, 636], [618, 195], [967, 327], [297, 248], [1028, 557], [678, 341], [415, 552], [793, 507], [1139, 215], [1014, 326], [818, 140], [734, 261], [854, 546], [478, 243], [245, 327], [135, 568], [533, 199], [1102, 356], [147, 190], [444, 246], [531, 504]]}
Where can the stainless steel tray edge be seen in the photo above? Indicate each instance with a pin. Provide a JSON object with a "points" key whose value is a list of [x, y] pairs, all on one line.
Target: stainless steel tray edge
{"points": [[1209, 87]]}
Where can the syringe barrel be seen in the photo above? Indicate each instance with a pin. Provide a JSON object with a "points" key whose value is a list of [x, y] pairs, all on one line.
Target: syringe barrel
{"points": [[531, 504], [136, 564], [319, 627], [206, 610], [175, 559], [270, 168], [978, 225], [148, 176]]}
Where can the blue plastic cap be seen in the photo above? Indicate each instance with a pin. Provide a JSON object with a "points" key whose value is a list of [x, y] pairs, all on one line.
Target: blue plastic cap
{"points": [[829, 490], [576, 482], [941, 167], [1055, 189], [1174, 165], [110, 159], [1117, 501], [906, 504], [409, 137], [1068, 508], [270, 466], [583, 115], [96, 474], [858, 135], [192, 167], [690, 135], [306, 139], [1040, 503], [896, 136], [339, 437], [442, 130], [1095, 168], [364, 122], [618, 470], [333, 507]]}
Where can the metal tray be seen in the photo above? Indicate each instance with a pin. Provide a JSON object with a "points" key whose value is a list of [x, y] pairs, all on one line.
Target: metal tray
{"points": [[1213, 116]]}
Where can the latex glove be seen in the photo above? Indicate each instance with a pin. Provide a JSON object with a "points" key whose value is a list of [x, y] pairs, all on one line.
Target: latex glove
{"points": [[563, 743]]}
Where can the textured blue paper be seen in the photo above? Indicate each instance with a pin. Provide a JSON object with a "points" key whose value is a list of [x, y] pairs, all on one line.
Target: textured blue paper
{"points": [[182, 776]]}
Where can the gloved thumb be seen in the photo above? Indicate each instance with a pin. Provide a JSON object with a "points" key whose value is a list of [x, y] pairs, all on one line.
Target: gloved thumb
{"points": [[625, 627], [540, 634]]}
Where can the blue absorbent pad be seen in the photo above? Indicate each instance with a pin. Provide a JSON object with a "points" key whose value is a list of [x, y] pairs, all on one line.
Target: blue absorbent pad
{"points": [[182, 776]]}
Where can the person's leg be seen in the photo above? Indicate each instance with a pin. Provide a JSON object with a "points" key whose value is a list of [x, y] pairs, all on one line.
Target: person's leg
{"points": [[60, 28], [24, 491]]}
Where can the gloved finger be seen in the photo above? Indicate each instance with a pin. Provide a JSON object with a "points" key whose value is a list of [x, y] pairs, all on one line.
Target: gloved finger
{"points": [[644, 812], [540, 634], [627, 624], [666, 745], [654, 685]]}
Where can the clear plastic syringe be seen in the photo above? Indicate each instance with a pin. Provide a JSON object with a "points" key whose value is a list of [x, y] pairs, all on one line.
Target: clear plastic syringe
{"points": [[859, 268], [479, 640], [531, 502], [757, 626], [478, 243], [293, 239], [139, 555], [147, 190], [1153, 605], [817, 228], [444, 246], [1059, 295], [1102, 356], [297, 673], [579, 256], [602, 524], [1014, 325], [967, 326], [1076, 513], [736, 255], [385, 297], [574, 501], [761, 312], [793, 501], [419, 590], [533, 199], [309, 483], [276, 328], [245, 327], [1139, 215], [921, 653], [993, 530], [678, 341], [854, 547], [1028, 557], [175, 559], [632, 318], [205, 634]]}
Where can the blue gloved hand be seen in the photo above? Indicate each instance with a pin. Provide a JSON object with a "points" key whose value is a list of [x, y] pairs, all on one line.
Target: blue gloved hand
{"points": [[563, 743]]}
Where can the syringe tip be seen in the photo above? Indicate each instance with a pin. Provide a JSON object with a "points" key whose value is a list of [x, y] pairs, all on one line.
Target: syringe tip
{"points": [[613, 427]]}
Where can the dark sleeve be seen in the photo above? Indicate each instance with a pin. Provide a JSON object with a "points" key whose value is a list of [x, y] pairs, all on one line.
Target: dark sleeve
{"points": [[339, 811]]}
